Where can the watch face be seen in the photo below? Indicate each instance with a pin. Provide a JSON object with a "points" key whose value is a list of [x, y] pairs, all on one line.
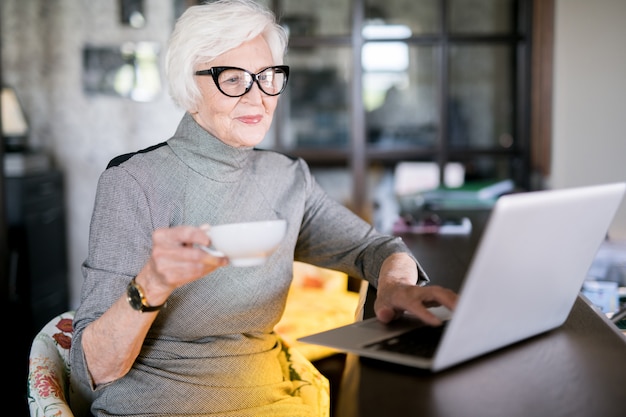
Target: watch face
{"points": [[134, 297], [136, 300]]}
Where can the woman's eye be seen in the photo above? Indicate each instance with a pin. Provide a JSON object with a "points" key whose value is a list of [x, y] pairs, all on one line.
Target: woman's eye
{"points": [[232, 80]]}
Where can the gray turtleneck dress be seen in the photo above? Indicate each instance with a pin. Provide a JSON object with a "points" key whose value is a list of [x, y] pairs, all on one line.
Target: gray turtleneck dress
{"points": [[212, 350]]}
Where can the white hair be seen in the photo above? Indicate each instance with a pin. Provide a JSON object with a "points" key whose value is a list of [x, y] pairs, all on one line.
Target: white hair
{"points": [[206, 31]]}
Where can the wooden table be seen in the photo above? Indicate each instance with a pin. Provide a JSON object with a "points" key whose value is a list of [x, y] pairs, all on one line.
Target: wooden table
{"points": [[578, 369]]}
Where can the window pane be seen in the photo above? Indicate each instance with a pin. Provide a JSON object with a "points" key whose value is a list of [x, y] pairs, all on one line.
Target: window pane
{"points": [[481, 16], [420, 16], [316, 113], [400, 94], [314, 18], [481, 100]]}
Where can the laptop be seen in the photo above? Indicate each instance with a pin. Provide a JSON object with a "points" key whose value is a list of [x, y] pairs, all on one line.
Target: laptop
{"points": [[523, 280]]}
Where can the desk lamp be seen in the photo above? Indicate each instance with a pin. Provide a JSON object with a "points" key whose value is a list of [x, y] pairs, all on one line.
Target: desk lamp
{"points": [[14, 125]]}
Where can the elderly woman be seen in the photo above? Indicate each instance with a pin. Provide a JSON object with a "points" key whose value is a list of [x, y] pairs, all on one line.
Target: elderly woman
{"points": [[165, 328]]}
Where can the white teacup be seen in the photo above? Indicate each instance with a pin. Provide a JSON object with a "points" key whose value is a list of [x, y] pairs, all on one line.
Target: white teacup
{"points": [[246, 244]]}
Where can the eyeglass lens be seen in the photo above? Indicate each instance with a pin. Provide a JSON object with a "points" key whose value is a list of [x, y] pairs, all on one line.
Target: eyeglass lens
{"points": [[237, 82]]}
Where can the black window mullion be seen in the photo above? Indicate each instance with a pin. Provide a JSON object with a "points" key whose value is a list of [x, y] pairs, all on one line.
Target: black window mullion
{"points": [[523, 19], [444, 91]]}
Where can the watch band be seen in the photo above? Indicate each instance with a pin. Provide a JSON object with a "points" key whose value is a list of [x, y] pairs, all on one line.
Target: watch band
{"points": [[137, 299]]}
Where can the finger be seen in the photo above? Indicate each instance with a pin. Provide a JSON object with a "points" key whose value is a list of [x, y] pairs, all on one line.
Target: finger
{"points": [[432, 297], [386, 315], [427, 317], [177, 236], [211, 258]]}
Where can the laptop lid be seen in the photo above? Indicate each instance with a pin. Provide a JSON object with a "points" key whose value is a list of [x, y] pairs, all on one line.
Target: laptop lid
{"points": [[523, 280]]}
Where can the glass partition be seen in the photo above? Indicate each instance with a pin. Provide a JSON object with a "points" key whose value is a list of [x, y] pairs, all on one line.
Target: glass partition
{"points": [[315, 110], [316, 18], [400, 94], [480, 108], [428, 80], [420, 16], [481, 16]]}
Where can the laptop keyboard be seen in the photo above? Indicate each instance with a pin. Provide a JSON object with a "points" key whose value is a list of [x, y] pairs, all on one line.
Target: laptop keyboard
{"points": [[421, 342]]}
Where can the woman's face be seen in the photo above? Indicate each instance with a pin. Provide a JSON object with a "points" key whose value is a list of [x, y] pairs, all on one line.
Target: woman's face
{"points": [[237, 121]]}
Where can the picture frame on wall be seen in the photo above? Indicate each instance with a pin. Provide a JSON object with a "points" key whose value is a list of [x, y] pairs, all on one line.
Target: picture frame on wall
{"points": [[132, 13]]}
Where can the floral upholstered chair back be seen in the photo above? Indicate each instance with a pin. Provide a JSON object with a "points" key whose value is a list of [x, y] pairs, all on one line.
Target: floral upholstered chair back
{"points": [[49, 386]]}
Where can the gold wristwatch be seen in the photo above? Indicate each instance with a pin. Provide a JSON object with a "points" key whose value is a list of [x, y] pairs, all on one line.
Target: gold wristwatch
{"points": [[136, 299]]}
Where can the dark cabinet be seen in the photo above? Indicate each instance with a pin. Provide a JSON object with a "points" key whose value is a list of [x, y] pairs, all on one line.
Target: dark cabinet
{"points": [[37, 269], [37, 248]]}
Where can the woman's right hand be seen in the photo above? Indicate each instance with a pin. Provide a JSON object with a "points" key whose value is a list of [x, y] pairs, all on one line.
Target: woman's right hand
{"points": [[175, 261]]}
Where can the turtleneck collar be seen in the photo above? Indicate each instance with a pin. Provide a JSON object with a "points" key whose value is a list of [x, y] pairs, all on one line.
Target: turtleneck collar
{"points": [[206, 154]]}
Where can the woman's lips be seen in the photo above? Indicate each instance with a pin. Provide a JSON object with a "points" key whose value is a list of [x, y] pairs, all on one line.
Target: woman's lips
{"points": [[253, 119]]}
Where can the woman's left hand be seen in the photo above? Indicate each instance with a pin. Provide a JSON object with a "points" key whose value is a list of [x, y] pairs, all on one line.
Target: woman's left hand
{"points": [[398, 293]]}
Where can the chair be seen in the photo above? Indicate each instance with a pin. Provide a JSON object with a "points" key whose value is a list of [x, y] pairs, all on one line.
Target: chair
{"points": [[50, 387]]}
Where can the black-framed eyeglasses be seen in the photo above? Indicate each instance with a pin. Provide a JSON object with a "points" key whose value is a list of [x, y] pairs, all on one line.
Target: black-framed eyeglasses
{"points": [[235, 82]]}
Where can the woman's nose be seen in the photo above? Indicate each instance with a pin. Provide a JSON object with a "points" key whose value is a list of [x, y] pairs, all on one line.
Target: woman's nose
{"points": [[255, 95]]}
